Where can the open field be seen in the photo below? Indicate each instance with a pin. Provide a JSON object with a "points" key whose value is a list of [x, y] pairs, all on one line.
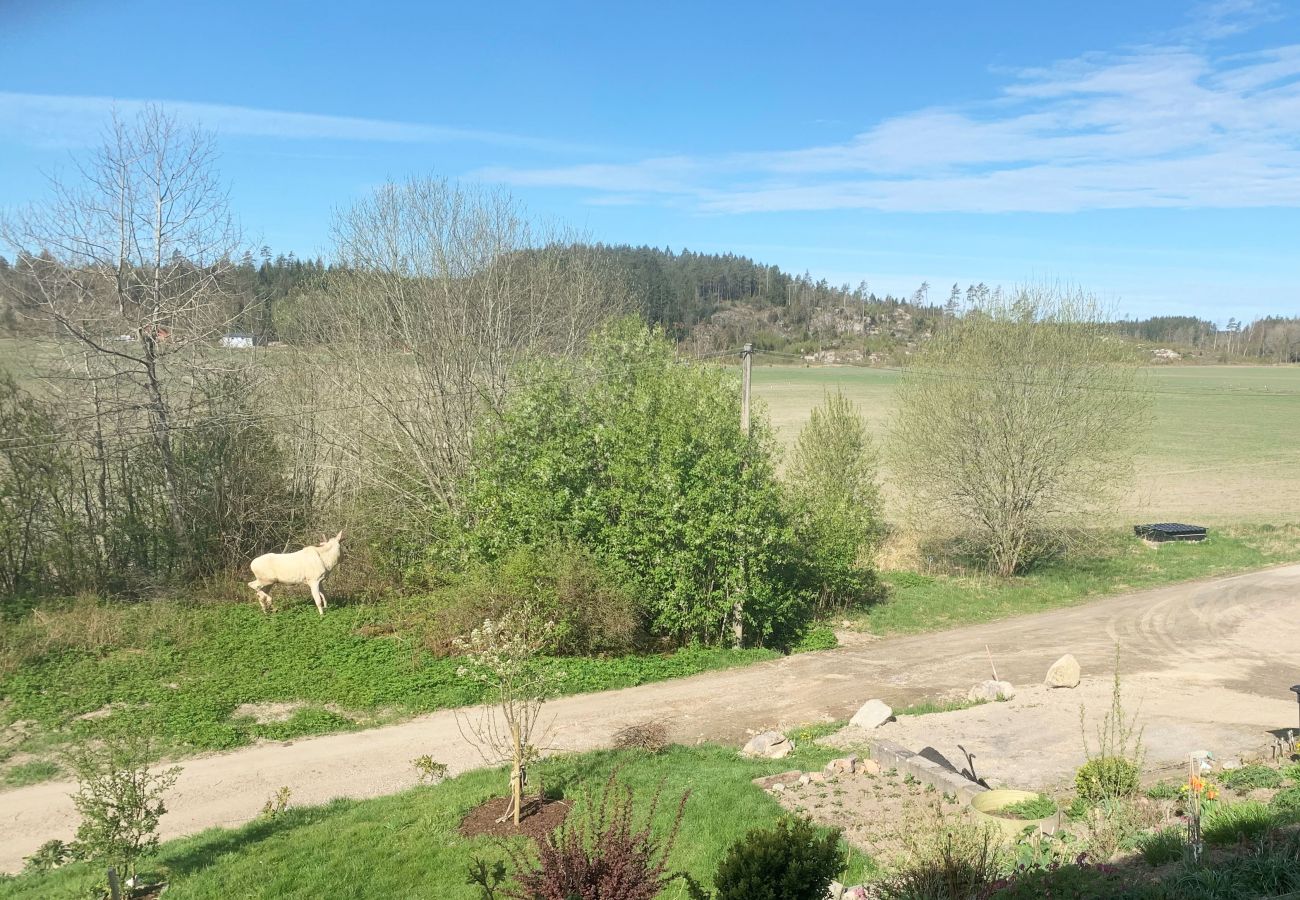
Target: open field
{"points": [[1225, 442]]}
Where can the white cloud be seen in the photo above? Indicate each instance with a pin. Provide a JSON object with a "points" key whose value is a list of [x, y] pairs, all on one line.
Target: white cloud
{"points": [[1155, 126], [68, 120]]}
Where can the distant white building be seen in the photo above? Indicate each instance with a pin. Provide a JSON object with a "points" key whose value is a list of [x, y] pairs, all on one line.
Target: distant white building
{"points": [[238, 340]]}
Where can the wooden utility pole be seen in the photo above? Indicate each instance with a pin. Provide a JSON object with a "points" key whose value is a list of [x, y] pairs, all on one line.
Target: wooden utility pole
{"points": [[746, 363]]}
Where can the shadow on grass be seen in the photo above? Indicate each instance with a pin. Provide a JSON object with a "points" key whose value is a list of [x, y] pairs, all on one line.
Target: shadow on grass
{"points": [[208, 847]]}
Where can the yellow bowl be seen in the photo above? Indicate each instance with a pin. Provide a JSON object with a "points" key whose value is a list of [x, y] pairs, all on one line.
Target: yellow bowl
{"points": [[986, 804]]}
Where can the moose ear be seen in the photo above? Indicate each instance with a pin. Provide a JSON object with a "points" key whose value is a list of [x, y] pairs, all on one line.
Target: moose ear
{"points": [[339, 536], [323, 538]]}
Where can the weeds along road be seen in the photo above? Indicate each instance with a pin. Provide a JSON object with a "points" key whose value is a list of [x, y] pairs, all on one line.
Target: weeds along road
{"points": [[1219, 654]]}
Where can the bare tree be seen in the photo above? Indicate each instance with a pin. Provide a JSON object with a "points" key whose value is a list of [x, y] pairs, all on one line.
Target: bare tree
{"points": [[439, 292], [129, 260], [1023, 416]]}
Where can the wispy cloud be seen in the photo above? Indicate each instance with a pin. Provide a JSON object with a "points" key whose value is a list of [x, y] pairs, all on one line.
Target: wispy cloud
{"points": [[51, 119], [1173, 125]]}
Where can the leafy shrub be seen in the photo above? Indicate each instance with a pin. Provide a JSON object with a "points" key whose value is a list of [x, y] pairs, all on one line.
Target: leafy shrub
{"points": [[639, 460], [793, 860], [562, 584], [819, 637], [1230, 823], [1248, 778], [836, 503], [1164, 846], [49, 857], [119, 798], [1116, 825], [1105, 778], [1164, 790], [1291, 772], [945, 859], [607, 855]]}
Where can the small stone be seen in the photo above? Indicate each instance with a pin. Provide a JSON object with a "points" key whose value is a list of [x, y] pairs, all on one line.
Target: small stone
{"points": [[990, 691], [873, 714], [768, 745], [769, 781], [778, 788], [835, 891], [868, 767], [844, 765], [804, 779], [1064, 673], [1230, 763], [816, 778]]}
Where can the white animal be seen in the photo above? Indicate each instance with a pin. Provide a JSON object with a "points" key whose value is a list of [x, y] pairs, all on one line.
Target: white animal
{"points": [[306, 566]]}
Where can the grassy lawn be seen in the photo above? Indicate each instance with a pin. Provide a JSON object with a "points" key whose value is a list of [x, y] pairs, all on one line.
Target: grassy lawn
{"points": [[1116, 563], [180, 670], [407, 845]]}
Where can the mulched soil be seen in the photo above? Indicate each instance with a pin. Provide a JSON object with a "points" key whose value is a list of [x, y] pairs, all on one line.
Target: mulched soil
{"points": [[539, 816]]}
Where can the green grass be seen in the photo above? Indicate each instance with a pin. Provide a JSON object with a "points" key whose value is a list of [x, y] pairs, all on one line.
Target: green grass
{"points": [[926, 707], [1232, 823], [1223, 444], [33, 772], [179, 670], [1039, 807], [1164, 846], [1114, 563], [1248, 778], [407, 845]]}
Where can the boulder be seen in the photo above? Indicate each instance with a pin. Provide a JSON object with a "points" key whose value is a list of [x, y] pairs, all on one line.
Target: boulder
{"points": [[1064, 673], [992, 690], [768, 745], [873, 714]]}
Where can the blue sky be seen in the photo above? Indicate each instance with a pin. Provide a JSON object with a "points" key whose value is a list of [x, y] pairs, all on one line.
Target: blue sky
{"points": [[1148, 151]]}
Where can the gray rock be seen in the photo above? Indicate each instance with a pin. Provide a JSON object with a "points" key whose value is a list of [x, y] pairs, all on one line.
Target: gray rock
{"points": [[1230, 763], [873, 714], [992, 690], [768, 745], [1064, 673]]}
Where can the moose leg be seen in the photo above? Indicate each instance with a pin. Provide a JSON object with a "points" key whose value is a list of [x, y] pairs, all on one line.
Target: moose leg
{"points": [[263, 598], [318, 597]]}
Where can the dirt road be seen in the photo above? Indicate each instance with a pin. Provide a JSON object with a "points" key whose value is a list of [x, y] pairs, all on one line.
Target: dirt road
{"points": [[1212, 660]]}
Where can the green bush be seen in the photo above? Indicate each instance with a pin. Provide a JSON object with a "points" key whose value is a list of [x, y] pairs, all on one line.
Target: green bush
{"points": [[563, 584], [836, 503], [1039, 807], [794, 860], [1106, 778], [640, 460], [1248, 778]]}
